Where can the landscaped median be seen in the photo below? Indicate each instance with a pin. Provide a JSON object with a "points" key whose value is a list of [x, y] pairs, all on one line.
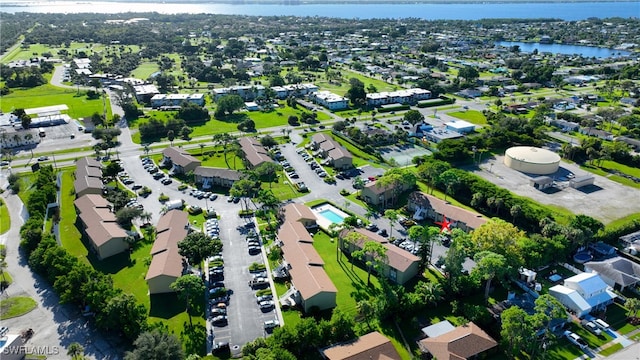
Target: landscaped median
{"points": [[5, 219], [16, 306]]}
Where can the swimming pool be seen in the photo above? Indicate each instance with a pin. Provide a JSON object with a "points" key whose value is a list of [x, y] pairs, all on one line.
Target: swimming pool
{"points": [[327, 215], [332, 216]]}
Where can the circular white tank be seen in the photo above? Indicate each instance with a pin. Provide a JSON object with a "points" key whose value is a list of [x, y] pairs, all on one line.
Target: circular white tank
{"points": [[532, 160]]}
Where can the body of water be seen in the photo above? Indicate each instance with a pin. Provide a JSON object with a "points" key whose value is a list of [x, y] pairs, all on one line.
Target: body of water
{"points": [[429, 11], [585, 51]]}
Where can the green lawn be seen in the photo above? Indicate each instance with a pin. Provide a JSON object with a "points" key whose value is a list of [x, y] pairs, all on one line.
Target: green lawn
{"points": [[611, 349], [145, 69], [5, 220], [16, 306], [351, 281], [25, 53], [282, 189], [342, 87], [606, 168], [472, 116], [48, 95], [69, 234], [217, 159]]}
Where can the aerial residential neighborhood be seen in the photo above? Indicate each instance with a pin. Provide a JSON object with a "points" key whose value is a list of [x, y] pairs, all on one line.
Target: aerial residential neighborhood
{"points": [[207, 186]]}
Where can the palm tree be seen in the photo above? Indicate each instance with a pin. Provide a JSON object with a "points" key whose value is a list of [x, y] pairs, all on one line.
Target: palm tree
{"points": [[76, 351], [392, 215], [28, 137]]}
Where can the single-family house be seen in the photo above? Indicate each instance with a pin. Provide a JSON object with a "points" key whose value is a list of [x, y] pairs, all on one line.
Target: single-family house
{"points": [[88, 177], [583, 293], [426, 206], [400, 265], [210, 177], [167, 265], [311, 287], [99, 225], [372, 346], [565, 125], [339, 157], [617, 272], [591, 131], [464, 342], [180, 160], [633, 143], [254, 153]]}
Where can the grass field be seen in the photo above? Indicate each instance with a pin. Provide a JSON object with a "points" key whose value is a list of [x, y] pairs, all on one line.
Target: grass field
{"points": [[16, 306], [343, 86], [351, 282], [5, 219], [145, 70], [47, 95], [606, 168], [277, 117], [69, 234], [472, 116]]}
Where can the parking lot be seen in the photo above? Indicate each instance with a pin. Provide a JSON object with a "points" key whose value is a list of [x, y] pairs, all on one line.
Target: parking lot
{"points": [[606, 201], [245, 320]]}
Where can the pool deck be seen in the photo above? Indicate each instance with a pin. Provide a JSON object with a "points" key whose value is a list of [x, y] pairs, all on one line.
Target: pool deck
{"points": [[322, 221]]}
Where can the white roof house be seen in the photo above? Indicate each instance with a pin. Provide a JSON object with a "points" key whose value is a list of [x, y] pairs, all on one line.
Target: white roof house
{"points": [[583, 293]]}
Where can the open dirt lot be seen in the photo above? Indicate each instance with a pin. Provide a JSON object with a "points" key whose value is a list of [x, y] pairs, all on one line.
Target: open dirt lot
{"points": [[606, 201]]}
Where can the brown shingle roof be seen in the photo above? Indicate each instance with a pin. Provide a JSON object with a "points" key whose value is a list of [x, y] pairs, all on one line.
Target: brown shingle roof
{"points": [[307, 272], [372, 346], [180, 157], [398, 258], [452, 212], [100, 222], [377, 189], [88, 162], [332, 147], [253, 151], [461, 343], [166, 259], [295, 212]]}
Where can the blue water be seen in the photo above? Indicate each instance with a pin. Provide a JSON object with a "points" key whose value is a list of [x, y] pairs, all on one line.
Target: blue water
{"points": [[332, 216], [585, 51], [467, 11]]}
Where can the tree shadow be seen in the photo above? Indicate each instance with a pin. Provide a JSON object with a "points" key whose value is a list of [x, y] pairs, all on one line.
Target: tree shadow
{"points": [[165, 306], [194, 338]]}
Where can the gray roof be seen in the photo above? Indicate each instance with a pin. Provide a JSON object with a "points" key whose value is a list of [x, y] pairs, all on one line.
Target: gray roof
{"points": [[217, 173], [623, 271]]}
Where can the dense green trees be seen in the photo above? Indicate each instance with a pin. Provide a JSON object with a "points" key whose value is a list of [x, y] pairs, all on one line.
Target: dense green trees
{"points": [[356, 93], [197, 246], [154, 345], [227, 105]]}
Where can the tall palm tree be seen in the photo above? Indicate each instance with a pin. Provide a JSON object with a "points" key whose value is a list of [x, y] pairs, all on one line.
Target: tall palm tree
{"points": [[28, 137], [76, 351]]}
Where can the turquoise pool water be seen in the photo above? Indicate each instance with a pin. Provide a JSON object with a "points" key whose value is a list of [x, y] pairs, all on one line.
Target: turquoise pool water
{"points": [[332, 216]]}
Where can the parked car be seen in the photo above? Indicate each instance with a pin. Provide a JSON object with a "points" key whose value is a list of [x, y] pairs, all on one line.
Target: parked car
{"points": [[166, 181], [267, 305], [592, 327], [383, 233], [219, 320], [601, 324], [43, 158], [213, 197], [217, 311], [271, 324], [254, 250], [220, 348], [576, 340], [372, 227], [262, 298]]}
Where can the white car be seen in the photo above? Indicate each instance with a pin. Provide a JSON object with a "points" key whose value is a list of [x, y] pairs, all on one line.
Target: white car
{"points": [[271, 324], [601, 324], [576, 340]]}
